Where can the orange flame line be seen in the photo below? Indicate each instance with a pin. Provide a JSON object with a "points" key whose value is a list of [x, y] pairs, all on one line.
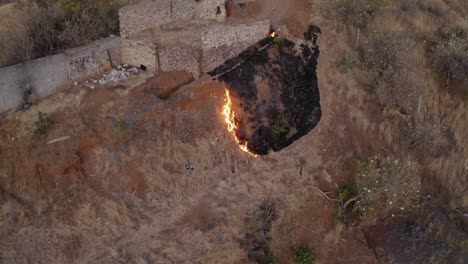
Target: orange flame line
{"points": [[229, 118]]}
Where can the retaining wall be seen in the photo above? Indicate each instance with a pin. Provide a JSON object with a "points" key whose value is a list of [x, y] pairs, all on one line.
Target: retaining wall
{"points": [[180, 57], [225, 42], [45, 75]]}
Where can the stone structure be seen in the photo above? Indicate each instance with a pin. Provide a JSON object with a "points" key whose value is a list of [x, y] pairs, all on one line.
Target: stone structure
{"points": [[44, 76], [139, 52], [163, 35], [221, 43], [150, 13], [191, 35]]}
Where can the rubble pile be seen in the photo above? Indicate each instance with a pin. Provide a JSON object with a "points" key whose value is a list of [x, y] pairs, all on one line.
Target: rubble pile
{"points": [[121, 73]]}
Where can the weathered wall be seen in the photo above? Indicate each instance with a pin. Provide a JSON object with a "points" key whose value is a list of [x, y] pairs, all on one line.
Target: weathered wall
{"points": [[150, 14], [86, 61], [204, 51], [225, 42], [45, 75], [140, 52], [207, 9], [180, 57]]}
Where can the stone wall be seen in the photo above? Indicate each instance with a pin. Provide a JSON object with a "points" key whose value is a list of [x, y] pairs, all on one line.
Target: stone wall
{"points": [[180, 57], [44, 76], [140, 52], [218, 36], [149, 14], [207, 9], [225, 42]]}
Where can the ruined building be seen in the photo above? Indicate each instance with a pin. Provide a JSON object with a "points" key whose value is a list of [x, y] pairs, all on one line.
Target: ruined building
{"points": [[191, 35]]}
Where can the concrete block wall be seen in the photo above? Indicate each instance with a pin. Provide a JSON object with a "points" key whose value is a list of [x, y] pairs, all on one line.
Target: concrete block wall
{"points": [[93, 59], [140, 52], [44, 76]]}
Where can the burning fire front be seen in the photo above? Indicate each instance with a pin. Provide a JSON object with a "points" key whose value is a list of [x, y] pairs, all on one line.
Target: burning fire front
{"points": [[230, 119]]}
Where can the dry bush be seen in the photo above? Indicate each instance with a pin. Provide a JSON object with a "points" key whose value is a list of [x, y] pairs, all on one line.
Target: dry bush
{"points": [[357, 12], [256, 240], [55, 25], [451, 59], [429, 138], [387, 58], [407, 6], [13, 29]]}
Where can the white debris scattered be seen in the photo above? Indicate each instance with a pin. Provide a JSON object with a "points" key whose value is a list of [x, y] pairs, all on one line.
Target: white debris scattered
{"points": [[121, 73]]}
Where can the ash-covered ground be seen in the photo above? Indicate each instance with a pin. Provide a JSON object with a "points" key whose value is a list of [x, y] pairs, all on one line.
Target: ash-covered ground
{"points": [[276, 92]]}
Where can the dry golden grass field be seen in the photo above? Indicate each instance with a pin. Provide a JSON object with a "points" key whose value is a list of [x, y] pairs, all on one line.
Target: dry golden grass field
{"points": [[141, 180]]}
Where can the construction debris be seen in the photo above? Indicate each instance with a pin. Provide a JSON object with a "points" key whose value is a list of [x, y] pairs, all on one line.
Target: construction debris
{"points": [[121, 73]]}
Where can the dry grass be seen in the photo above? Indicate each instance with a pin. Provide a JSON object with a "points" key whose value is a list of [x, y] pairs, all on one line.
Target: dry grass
{"points": [[105, 196], [13, 29]]}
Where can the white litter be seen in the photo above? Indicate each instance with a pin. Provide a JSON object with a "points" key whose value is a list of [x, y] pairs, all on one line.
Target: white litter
{"points": [[121, 73]]}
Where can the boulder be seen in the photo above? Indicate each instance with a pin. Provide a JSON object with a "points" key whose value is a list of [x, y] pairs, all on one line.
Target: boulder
{"points": [[167, 83]]}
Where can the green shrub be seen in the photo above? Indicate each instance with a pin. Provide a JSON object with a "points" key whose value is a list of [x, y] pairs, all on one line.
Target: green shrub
{"points": [[280, 125], [279, 41], [43, 123], [345, 193], [121, 126], [304, 255], [347, 61]]}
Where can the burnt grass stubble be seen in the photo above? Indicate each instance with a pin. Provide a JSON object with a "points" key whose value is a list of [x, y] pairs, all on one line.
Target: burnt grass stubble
{"points": [[290, 76]]}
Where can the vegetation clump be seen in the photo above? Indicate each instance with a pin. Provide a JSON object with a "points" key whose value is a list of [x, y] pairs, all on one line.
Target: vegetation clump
{"points": [[381, 184], [280, 125], [347, 61], [43, 123], [55, 25], [257, 239], [121, 126], [304, 255], [451, 59]]}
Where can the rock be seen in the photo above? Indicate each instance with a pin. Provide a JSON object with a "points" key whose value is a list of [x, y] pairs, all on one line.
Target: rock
{"points": [[167, 83]]}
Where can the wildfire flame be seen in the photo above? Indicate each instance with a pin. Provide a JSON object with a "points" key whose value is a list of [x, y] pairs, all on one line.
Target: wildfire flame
{"points": [[229, 118], [273, 34]]}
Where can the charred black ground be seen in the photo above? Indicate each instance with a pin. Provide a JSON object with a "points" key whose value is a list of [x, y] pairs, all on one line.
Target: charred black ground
{"points": [[276, 93]]}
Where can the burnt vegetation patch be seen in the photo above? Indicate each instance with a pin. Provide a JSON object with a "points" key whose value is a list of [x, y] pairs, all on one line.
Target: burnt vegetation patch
{"points": [[276, 88]]}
